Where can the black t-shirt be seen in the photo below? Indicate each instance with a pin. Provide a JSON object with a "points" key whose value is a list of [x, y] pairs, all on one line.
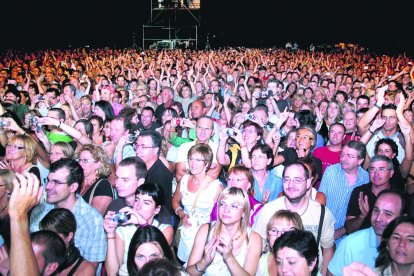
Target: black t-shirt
{"points": [[104, 188], [159, 174], [290, 155], [353, 205]]}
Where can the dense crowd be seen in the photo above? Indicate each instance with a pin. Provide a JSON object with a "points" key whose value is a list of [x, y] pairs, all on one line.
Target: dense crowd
{"points": [[228, 162]]}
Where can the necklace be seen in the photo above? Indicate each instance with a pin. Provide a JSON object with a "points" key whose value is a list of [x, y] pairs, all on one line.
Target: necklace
{"points": [[85, 187]]}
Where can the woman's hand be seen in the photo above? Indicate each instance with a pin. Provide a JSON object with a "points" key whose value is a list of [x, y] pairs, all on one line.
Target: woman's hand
{"points": [[134, 216], [210, 251], [48, 121], [5, 165], [185, 220], [110, 225], [225, 247]]}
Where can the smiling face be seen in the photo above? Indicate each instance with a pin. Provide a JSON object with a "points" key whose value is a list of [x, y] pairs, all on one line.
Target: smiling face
{"points": [[387, 207], [290, 262]]}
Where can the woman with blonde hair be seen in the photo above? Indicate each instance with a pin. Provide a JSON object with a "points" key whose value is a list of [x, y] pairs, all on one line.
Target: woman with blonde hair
{"points": [[96, 188], [61, 150], [228, 246], [282, 221], [6, 186], [20, 155]]}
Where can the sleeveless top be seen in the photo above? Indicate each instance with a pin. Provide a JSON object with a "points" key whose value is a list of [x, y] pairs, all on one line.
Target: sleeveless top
{"points": [[219, 267], [126, 233], [198, 216]]}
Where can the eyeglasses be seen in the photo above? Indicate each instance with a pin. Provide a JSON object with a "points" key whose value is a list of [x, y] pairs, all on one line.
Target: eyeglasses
{"points": [[236, 179], [249, 131], [343, 154], [277, 232], [381, 170], [233, 206], [136, 146], [195, 160], [14, 147], [53, 182], [259, 157], [85, 160], [295, 180], [304, 137], [391, 118]]}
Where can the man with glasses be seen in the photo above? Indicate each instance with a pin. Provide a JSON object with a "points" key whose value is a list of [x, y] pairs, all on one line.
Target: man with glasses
{"points": [[296, 182], [362, 200], [148, 148], [62, 191], [86, 107], [341, 179]]}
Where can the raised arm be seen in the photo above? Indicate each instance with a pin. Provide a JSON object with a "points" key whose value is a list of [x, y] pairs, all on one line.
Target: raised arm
{"points": [[366, 119]]}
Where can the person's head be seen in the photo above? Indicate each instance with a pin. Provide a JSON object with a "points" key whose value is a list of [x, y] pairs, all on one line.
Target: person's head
{"points": [[58, 114], [60, 150], [164, 267], [296, 181], [52, 96], [261, 156], [352, 155], [291, 139], [396, 245], [282, 221], [130, 174], [305, 138], [252, 132], [241, 177], [336, 134], [119, 127], [148, 200], [305, 117], [200, 158], [49, 250], [388, 205], [198, 109], [85, 127], [6, 183], [204, 129], [97, 124], [86, 104], [21, 147], [64, 180], [148, 146], [386, 147], [104, 110], [167, 95], [362, 102], [350, 121], [380, 171], [61, 221], [296, 253], [147, 117], [147, 243], [168, 114], [389, 115], [233, 208], [94, 161]]}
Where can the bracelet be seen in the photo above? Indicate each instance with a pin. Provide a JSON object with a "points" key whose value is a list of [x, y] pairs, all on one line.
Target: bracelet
{"points": [[199, 270], [58, 126], [370, 131], [176, 210], [242, 146], [110, 238], [377, 105]]}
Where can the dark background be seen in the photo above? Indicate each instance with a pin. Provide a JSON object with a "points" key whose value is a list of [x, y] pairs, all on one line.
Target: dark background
{"points": [[381, 27]]}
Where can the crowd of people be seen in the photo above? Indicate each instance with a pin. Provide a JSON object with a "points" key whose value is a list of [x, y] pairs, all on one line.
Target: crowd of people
{"points": [[228, 162]]}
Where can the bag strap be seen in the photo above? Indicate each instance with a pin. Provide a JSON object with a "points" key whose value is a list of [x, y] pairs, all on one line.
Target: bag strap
{"points": [[320, 224], [207, 179], [93, 191]]}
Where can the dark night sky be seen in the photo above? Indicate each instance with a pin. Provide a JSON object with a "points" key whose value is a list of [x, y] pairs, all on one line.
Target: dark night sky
{"points": [[255, 23]]}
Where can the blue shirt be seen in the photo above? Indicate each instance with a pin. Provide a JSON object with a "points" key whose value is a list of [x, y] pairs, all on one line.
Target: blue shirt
{"points": [[90, 236], [360, 246], [273, 183], [337, 190]]}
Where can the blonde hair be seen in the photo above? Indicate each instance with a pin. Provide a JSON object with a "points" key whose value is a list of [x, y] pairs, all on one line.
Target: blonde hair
{"points": [[7, 176], [241, 198], [287, 216], [66, 149], [100, 155], [29, 145]]}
